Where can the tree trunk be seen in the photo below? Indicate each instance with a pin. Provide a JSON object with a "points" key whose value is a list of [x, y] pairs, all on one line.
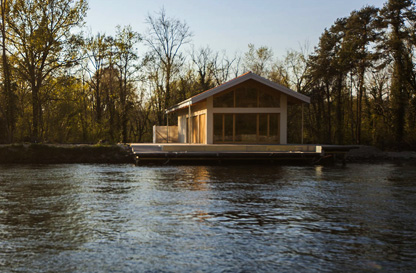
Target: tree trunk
{"points": [[124, 110], [98, 100], [340, 116], [398, 88], [35, 113], [360, 103], [10, 101], [328, 137], [167, 94]]}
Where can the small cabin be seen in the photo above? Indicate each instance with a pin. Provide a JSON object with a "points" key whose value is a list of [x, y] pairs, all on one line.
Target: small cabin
{"points": [[246, 110]]}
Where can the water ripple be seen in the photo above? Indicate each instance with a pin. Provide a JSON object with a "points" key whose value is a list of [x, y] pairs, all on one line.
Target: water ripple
{"points": [[121, 218]]}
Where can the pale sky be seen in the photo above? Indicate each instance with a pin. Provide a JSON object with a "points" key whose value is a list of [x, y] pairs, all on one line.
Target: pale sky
{"points": [[231, 24]]}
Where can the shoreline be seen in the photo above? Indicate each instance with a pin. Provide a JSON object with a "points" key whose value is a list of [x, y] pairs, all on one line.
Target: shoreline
{"points": [[121, 154], [64, 154], [370, 154]]}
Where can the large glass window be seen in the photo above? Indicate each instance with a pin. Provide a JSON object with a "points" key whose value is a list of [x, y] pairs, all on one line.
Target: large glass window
{"points": [[274, 131], [218, 128], [228, 127], [246, 128], [269, 98], [263, 127], [248, 97], [224, 100]]}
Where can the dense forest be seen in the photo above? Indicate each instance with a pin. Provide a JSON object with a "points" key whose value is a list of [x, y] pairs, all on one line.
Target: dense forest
{"points": [[62, 85]]}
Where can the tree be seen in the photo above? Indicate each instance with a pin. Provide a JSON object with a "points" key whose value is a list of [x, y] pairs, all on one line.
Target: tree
{"points": [[360, 34], [63, 109], [43, 43], [126, 57], [223, 67], [292, 72], [140, 118], [296, 65], [322, 72], [111, 112], [165, 37], [97, 52], [258, 60], [203, 61], [279, 74], [9, 111], [398, 15]]}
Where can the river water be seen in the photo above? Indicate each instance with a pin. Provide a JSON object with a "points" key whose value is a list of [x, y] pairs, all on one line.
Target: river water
{"points": [[123, 218]]}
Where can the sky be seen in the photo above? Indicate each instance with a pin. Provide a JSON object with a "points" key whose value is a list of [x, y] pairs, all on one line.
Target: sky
{"points": [[231, 25]]}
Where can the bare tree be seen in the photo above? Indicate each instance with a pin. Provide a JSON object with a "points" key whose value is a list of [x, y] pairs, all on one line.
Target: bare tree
{"points": [[222, 67], [296, 64], [165, 37], [97, 51], [203, 61]]}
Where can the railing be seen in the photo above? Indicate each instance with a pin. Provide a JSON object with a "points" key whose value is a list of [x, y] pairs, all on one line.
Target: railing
{"points": [[165, 134]]}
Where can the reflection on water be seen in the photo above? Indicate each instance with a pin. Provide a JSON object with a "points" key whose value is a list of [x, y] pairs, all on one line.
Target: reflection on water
{"points": [[95, 218]]}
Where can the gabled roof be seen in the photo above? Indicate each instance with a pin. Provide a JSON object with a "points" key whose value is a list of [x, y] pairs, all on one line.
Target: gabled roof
{"points": [[245, 77]]}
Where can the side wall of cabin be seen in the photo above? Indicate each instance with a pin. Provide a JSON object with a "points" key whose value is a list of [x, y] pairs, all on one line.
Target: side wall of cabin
{"points": [[197, 133]]}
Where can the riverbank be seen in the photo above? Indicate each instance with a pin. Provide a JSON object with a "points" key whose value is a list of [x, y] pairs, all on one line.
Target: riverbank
{"points": [[370, 154], [64, 153], [121, 154]]}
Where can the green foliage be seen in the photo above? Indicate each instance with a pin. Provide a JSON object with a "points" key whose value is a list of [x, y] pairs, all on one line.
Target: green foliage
{"points": [[397, 17], [259, 60], [362, 75]]}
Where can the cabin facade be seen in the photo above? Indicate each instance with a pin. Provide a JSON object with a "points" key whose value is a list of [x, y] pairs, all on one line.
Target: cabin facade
{"points": [[246, 110]]}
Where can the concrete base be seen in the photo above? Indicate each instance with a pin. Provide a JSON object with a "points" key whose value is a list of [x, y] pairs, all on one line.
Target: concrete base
{"points": [[204, 153], [138, 148]]}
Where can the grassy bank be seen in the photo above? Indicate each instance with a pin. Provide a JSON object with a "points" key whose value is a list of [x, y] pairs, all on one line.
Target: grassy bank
{"points": [[50, 154]]}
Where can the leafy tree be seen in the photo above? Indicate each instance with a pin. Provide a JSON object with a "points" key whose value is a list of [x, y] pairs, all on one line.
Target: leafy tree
{"points": [[357, 55], [126, 62], [110, 89], [62, 109], [398, 16], [324, 71], [9, 108], [43, 44], [279, 74], [97, 50], [258, 60]]}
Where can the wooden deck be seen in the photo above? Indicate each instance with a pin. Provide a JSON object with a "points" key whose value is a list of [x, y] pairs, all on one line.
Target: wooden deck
{"points": [[201, 153]]}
